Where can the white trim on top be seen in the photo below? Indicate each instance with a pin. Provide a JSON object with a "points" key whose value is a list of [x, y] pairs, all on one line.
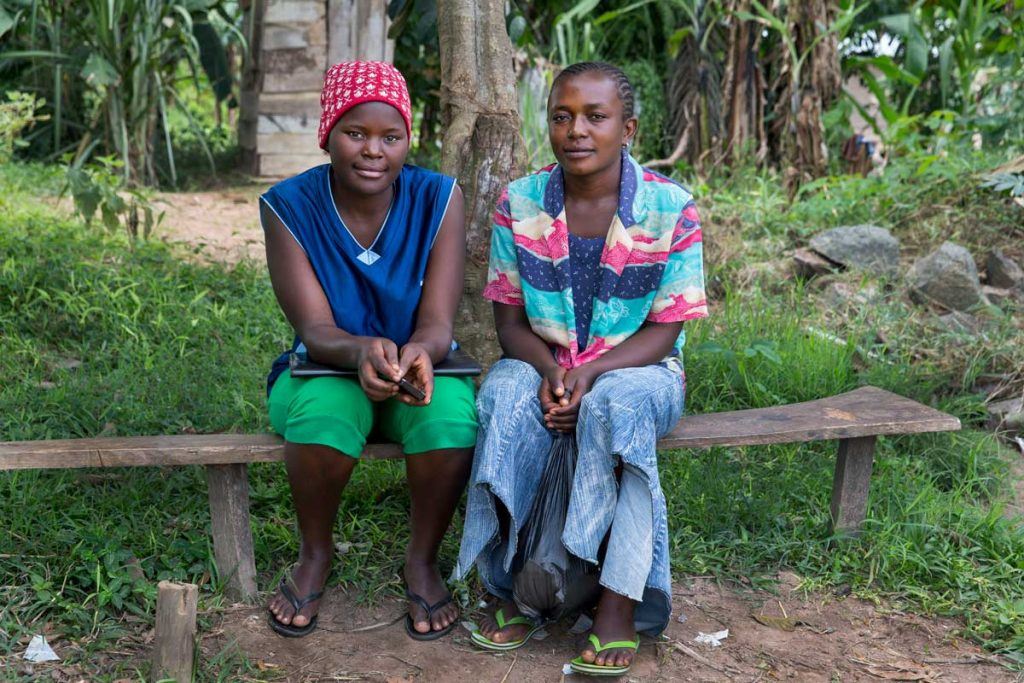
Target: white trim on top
{"points": [[263, 198], [443, 215], [366, 250]]}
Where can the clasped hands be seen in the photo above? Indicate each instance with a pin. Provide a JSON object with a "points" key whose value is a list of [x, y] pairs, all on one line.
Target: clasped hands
{"points": [[561, 393]]}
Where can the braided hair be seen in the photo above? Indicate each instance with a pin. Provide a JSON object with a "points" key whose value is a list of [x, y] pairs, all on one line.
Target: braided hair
{"points": [[624, 87]]}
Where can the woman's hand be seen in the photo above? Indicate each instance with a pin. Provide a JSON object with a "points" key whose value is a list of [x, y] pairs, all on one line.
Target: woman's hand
{"points": [[415, 366], [552, 389], [577, 383], [378, 368]]}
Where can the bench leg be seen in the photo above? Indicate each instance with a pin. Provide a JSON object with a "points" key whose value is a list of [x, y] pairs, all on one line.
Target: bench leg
{"points": [[851, 483], [228, 487]]}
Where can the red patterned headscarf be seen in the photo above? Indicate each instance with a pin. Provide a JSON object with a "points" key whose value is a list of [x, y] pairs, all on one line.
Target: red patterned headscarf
{"points": [[350, 83]]}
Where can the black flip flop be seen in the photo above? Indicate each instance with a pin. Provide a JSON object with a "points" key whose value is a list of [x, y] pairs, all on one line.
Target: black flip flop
{"points": [[429, 609], [287, 630]]}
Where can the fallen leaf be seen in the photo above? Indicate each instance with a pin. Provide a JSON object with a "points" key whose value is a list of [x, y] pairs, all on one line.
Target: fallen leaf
{"points": [[781, 623]]}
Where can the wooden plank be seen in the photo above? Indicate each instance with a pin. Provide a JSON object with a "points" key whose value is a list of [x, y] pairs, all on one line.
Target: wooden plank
{"points": [[271, 144], [294, 11], [292, 36], [293, 70], [273, 124], [183, 449], [866, 411], [290, 104], [851, 483], [174, 638], [862, 412], [358, 29], [228, 487]]}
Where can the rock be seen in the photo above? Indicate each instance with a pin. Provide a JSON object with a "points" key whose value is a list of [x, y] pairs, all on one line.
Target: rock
{"points": [[947, 277], [842, 294], [860, 247], [997, 295], [1008, 414], [960, 322], [807, 264], [1003, 271]]}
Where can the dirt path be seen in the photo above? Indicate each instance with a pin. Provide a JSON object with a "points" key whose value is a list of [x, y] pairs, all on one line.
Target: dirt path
{"points": [[832, 639], [223, 224]]}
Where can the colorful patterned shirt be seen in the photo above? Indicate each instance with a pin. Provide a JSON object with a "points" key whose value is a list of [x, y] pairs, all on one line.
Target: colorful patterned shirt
{"points": [[651, 267]]}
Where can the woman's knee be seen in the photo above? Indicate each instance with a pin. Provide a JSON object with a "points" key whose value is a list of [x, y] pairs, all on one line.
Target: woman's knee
{"points": [[508, 382]]}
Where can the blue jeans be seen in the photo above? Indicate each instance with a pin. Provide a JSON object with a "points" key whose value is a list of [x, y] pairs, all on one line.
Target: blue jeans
{"points": [[620, 421]]}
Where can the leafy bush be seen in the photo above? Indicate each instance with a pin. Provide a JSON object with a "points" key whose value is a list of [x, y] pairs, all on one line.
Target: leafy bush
{"points": [[109, 69], [652, 110], [17, 115], [100, 187]]}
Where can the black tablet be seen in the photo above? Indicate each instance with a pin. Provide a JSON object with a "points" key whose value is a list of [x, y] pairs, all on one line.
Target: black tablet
{"points": [[458, 363]]}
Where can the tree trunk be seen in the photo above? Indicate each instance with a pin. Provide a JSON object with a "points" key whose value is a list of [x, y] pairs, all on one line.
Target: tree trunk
{"points": [[694, 100], [482, 146], [717, 105], [743, 93], [805, 91]]}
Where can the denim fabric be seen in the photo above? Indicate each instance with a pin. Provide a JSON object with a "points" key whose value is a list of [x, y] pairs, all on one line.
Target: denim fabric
{"points": [[620, 419]]}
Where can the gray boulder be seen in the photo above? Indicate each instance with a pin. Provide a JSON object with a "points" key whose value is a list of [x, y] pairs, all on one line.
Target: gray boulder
{"points": [[807, 264], [1003, 271], [947, 277], [860, 247], [1007, 415], [998, 295]]}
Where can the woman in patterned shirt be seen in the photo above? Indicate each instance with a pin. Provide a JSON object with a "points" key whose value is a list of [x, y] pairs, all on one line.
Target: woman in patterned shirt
{"points": [[596, 262]]}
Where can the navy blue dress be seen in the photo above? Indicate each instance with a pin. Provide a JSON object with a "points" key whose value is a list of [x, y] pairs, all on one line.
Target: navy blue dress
{"points": [[375, 291]]}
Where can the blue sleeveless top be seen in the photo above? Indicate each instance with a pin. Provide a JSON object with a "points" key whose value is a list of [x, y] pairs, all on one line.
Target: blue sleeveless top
{"points": [[373, 292]]}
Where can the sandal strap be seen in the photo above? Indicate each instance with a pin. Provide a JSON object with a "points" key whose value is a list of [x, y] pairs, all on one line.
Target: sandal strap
{"points": [[427, 607], [499, 618], [615, 644], [296, 603]]}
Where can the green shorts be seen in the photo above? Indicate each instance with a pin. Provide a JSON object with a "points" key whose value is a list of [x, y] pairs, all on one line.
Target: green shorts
{"points": [[334, 411]]}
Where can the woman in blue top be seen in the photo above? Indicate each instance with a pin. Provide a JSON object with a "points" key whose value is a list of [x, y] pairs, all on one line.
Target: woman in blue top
{"points": [[366, 258]]}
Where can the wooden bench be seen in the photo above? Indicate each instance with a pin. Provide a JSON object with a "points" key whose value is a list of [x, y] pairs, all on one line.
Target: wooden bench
{"points": [[855, 419]]}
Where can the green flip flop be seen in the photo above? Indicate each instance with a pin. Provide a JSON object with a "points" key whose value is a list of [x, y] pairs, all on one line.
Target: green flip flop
{"points": [[581, 667], [482, 641]]}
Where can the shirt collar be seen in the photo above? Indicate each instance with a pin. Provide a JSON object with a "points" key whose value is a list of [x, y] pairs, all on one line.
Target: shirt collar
{"points": [[632, 192]]}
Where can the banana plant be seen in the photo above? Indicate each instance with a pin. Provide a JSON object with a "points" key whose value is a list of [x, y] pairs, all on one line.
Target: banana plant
{"points": [[111, 69]]}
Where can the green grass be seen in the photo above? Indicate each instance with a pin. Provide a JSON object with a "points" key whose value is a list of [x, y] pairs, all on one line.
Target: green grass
{"points": [[101, 336]]}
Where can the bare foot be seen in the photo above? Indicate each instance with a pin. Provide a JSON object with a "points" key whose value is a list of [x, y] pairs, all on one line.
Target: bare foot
{"points": [[613, 621], [509, 634], [424, 579], [307, 577]]}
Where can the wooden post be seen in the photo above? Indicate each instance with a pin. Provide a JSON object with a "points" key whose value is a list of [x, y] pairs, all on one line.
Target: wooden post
{"points": [[851, 483], [228, 487], [175, 640]]}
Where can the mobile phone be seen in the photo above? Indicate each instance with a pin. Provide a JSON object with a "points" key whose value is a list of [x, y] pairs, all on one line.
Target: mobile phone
{"points": [[411, 389]]}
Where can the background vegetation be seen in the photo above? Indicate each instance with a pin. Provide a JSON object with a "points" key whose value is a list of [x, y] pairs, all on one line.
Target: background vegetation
{"points": [[104, 333]]}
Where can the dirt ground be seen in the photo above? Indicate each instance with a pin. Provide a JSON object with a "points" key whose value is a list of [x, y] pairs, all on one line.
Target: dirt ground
{"points": [[829, 638], [223, 224]]}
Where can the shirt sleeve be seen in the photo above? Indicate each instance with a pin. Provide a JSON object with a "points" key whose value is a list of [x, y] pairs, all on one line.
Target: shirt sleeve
{"points": [[680, 294], [503, 283]]}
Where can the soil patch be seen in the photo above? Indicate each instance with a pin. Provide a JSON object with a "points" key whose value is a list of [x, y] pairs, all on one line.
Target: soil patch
{"points": [[828, 638], [222, 225]]}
